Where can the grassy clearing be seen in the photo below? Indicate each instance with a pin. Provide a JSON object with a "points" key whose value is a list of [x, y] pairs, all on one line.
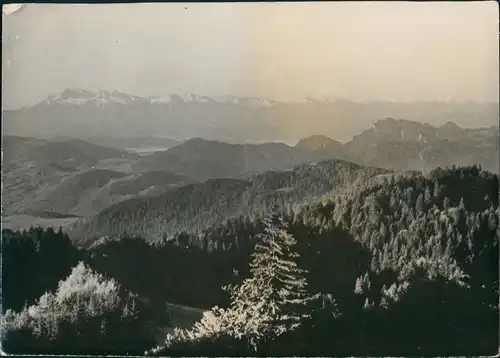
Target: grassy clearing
{"points": [[180, 317]]}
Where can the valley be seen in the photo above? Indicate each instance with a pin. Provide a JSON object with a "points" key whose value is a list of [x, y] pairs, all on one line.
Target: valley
{"points": [[81, 178]]}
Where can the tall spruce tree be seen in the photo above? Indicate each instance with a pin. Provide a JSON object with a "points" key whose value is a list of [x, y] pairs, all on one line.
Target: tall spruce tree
{"points": [[277, 289]]}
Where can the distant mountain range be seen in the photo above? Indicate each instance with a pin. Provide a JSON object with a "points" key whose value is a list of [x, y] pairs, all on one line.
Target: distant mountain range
{"points": [[86, 114]]}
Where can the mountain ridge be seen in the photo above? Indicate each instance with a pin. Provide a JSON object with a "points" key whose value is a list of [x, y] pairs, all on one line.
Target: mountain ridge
{"points": [[404, 144], [83, 113], [78, 95], [389, 143]]}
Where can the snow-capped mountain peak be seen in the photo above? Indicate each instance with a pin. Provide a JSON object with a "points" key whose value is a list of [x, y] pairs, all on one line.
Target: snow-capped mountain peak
{"points": [[82, 96], [102, 97], [158, 99], [249, 101]]}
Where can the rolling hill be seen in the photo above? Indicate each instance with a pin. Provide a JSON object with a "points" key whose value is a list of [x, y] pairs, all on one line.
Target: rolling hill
{"points": [[198, 206], [77, 194], [87, 192], [70, 154], [205, 159], [70, 177], [33, 168], [322, 146]]}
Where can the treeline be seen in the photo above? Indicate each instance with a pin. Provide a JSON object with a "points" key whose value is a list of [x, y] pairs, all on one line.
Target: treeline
{"points": [[33, 262], [416, 255]]}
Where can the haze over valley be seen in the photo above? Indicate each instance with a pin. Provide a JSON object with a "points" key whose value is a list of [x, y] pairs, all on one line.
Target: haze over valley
{"points": [[59, 175]]}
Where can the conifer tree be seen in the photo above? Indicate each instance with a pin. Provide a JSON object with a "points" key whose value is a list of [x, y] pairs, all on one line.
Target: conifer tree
{"points": [[277, 290], [420, 204], [274, 263], [427, 196]]}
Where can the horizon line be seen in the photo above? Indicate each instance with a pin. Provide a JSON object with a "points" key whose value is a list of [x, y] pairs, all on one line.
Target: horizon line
{"points": [[217, 98]]}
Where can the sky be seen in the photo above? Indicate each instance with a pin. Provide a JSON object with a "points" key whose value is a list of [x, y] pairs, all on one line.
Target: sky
{"points": [[391, 51]]}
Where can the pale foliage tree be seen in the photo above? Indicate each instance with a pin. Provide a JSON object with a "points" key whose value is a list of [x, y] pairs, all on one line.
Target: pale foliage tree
{"points": [[84, 296]]}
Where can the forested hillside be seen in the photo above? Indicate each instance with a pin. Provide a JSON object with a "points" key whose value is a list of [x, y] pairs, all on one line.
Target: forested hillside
{"points": [[67, 197], [425, 254], [91, 191], [200, 206], [417, 255]]}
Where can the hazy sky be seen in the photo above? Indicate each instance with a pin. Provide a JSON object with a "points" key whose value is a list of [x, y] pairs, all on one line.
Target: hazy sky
{"points": [[363, 51]]}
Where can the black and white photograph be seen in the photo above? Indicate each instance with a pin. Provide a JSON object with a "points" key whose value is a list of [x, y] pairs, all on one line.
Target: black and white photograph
{"points": [[250, 179]]}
